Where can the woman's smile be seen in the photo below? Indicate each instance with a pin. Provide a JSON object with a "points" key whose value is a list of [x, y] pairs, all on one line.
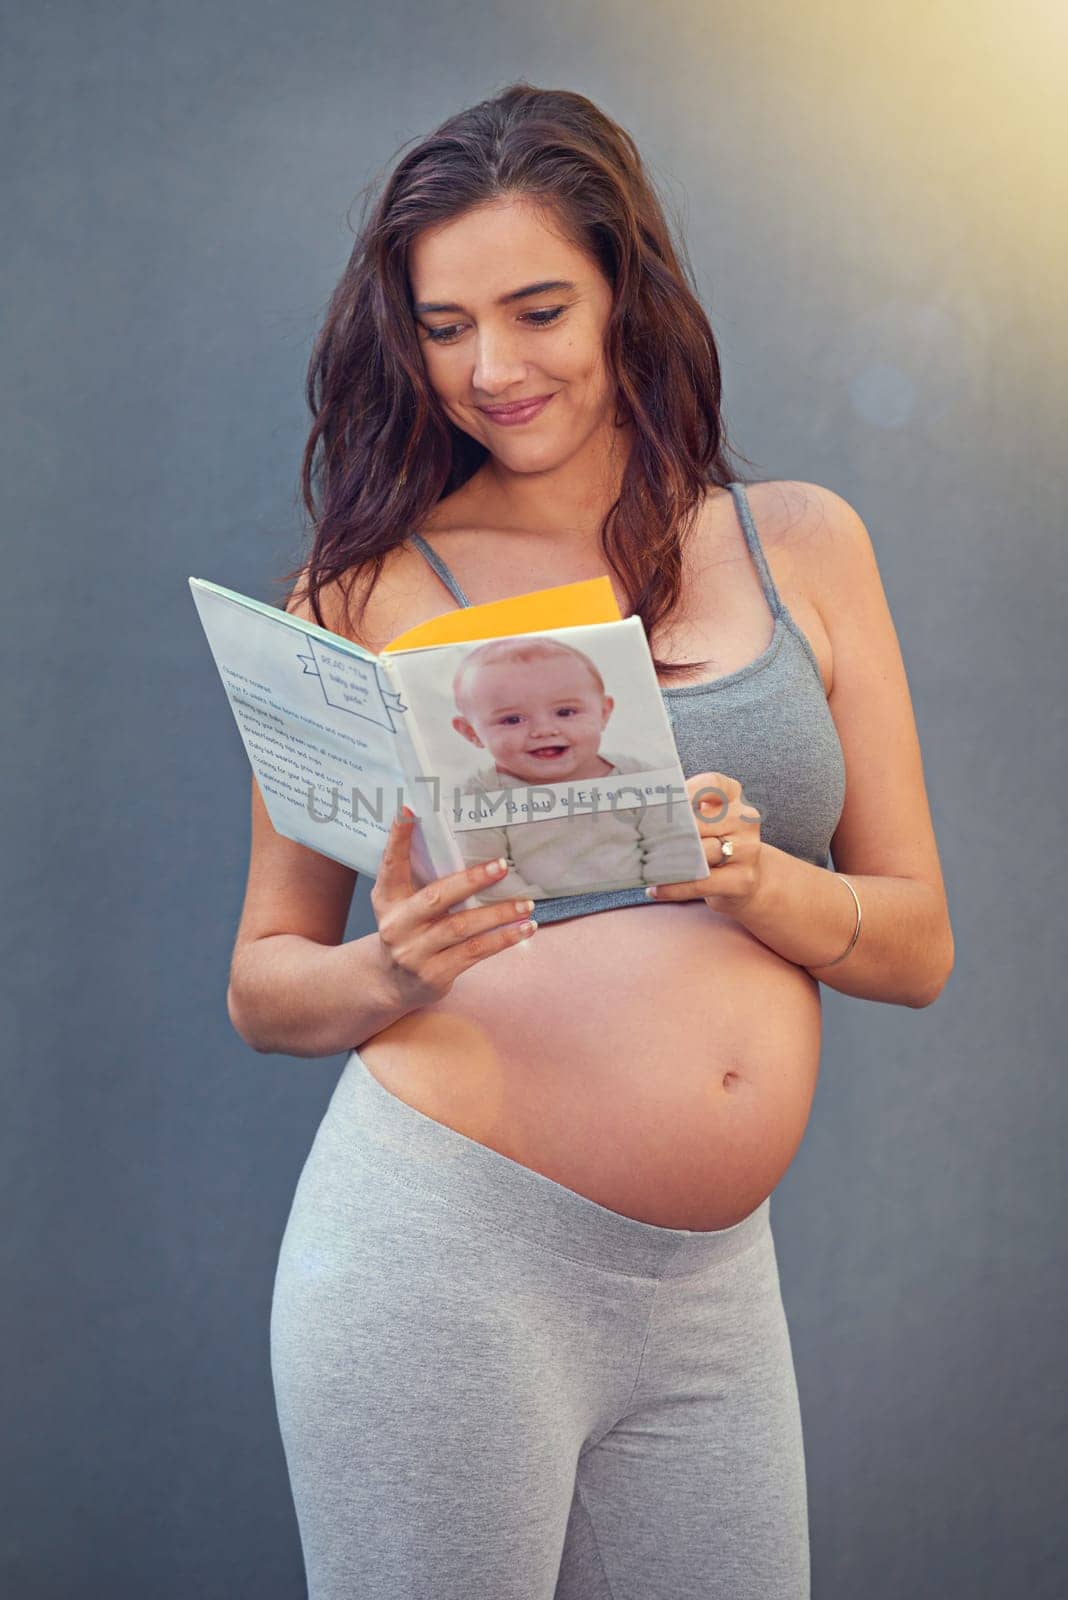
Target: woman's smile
{"points": [[521, 411]]}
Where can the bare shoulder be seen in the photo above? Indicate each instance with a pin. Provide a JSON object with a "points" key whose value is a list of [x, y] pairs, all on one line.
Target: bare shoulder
{"points": [[816, 538]]}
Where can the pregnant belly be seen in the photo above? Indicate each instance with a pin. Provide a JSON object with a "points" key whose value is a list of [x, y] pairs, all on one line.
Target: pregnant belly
{"points": [[660, 1061]]}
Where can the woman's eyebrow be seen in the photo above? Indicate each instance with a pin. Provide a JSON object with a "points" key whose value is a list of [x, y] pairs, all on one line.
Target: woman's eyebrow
{"points": [[550, 284]]}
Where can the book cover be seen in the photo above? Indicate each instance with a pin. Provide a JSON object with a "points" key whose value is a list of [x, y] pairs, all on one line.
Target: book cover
{"points": [[530, 728]]}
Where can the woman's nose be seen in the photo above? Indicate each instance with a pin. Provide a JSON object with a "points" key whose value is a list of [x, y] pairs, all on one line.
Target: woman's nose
{"points": [[498, 367]]}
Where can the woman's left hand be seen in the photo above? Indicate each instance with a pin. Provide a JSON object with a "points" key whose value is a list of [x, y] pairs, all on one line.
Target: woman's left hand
{"points": [[722, 812]]}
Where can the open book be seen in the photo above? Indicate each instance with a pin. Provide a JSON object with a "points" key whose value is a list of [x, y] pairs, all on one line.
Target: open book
{"points": [[530, 728]]}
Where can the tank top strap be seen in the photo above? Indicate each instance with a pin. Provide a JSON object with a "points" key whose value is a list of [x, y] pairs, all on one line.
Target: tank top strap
{"points": [[440, 568], [756, 550], [745, 516]]}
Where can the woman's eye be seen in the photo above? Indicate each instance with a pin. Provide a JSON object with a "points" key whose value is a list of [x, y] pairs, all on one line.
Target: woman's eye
{"points": [[441, 335], [534, 319], [541, 319]]}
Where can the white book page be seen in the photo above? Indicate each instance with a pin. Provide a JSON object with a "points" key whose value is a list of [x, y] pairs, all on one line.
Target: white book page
{"points": [[318, 721]]}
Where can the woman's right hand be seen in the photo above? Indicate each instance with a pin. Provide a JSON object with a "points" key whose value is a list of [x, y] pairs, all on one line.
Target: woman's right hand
{"points": [[425, 945]]}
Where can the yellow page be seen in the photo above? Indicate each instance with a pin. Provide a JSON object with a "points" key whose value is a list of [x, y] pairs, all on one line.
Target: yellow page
{"points": [[565, 605]]}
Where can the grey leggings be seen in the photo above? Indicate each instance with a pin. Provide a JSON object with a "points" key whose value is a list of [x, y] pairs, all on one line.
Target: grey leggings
{"points": [[490, 1387]]}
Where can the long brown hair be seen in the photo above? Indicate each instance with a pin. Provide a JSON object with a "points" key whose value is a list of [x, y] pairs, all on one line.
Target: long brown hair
{"points": [[381, 451]]}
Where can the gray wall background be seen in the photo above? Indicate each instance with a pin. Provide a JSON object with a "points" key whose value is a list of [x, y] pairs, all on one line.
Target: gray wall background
{"points": [[875, 206]]}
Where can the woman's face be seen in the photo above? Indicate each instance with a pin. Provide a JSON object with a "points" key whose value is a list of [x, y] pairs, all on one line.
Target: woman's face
{"points": [[490, 336]]}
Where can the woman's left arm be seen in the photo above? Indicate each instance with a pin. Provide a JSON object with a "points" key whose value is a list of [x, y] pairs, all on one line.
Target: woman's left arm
{"points": [[904, 951], [884, 841]]}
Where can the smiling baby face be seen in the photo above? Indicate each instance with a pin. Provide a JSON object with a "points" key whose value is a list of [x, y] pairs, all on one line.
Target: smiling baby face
{"points": [[539, 709]]}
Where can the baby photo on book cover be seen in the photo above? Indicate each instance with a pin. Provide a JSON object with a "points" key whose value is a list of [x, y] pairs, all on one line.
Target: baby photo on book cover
{"points": [[537, 761]]}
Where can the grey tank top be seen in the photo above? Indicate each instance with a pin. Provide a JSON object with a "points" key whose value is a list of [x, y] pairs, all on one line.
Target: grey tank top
{"points": [[768, 724]]}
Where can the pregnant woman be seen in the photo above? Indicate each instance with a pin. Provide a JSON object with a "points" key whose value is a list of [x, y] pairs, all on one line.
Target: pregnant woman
{"points": [[527, 1337]]}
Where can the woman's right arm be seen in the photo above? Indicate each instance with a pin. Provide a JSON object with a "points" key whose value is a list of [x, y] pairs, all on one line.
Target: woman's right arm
{"points": [[296, 989]]}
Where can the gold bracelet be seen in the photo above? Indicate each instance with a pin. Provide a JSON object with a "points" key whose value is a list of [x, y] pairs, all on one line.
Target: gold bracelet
{"points": [[856, 930]]}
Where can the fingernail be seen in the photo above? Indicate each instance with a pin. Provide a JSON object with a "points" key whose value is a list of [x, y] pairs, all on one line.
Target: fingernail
{"points": [[650, 893]]}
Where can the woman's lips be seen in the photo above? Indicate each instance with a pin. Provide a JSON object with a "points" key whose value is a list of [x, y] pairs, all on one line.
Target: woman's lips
{"points": [[524, 413]]}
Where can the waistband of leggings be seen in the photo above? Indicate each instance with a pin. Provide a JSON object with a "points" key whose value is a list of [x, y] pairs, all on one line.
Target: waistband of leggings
{"points": [[467, 1176]]}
